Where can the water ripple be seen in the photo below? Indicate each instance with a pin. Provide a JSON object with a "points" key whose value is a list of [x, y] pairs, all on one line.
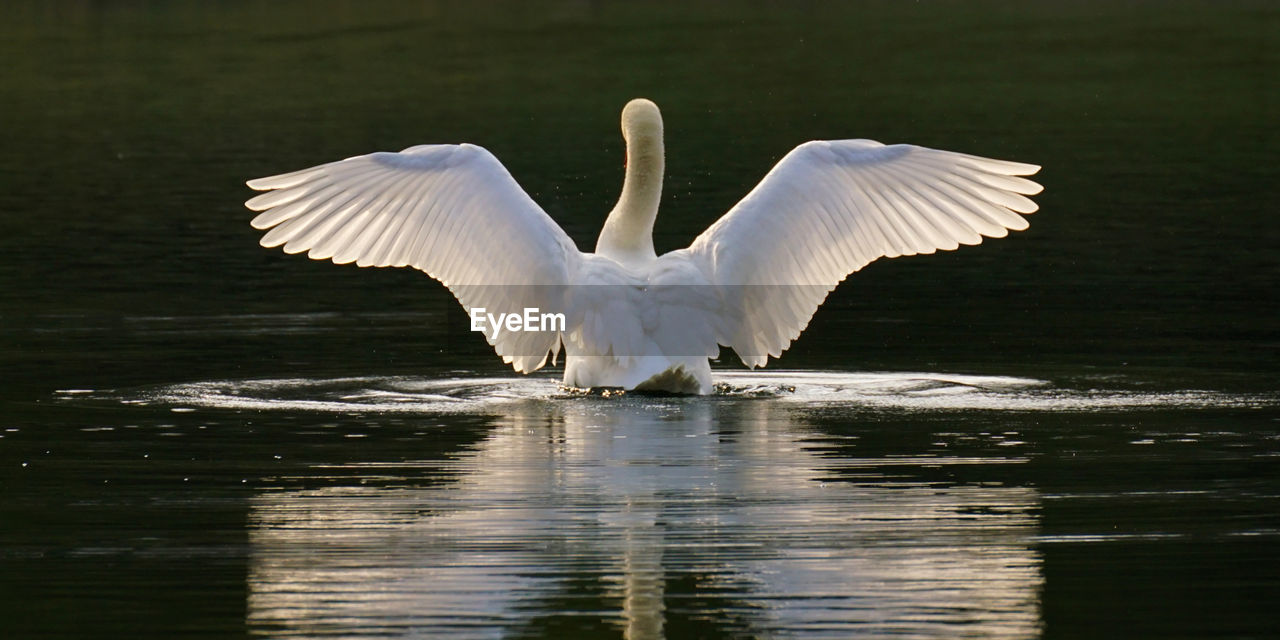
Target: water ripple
{"points": [[615, 514], [899, 391]]}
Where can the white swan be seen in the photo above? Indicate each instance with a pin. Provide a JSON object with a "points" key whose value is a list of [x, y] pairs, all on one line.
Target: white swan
{"points": [[634, 319]]}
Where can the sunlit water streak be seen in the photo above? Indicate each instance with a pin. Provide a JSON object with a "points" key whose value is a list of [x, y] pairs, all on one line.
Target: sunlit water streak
{"points": [[890, 390], [627, 497]]}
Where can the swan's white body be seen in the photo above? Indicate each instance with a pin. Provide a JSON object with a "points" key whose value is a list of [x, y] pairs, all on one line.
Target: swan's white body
{"points": [[634, 319]]}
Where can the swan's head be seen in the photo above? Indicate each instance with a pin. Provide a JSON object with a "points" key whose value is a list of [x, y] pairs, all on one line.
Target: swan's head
{"points": [[641, 121], [627, 236]]}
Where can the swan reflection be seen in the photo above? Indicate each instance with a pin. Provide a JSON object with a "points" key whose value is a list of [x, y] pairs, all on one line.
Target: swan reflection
{"points": [[650, 517]]}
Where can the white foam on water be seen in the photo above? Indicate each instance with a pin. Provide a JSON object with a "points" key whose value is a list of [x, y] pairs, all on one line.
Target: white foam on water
{"points": [[950, 392], [913, 391], [362, 394]]}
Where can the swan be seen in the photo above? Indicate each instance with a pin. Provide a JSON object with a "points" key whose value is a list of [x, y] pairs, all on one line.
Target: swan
{"points": [[629, 318]]}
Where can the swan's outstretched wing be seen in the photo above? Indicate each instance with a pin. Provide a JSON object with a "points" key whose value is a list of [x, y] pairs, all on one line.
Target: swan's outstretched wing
{"points": [[452, 211], [830, 207]]}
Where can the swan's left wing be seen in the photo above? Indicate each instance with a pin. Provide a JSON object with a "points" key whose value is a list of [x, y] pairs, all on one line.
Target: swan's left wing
{"points": [[452, 211], [829, 208]]}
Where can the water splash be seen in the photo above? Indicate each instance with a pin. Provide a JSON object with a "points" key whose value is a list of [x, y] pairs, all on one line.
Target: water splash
{"points": [[911, 391]]}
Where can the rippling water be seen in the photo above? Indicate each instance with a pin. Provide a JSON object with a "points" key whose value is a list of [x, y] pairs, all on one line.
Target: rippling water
{"points": [[628, 514], [890, 390], [810, 504]]}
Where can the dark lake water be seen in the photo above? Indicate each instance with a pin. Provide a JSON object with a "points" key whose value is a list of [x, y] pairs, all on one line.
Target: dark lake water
{"points": [[1072, 432]]}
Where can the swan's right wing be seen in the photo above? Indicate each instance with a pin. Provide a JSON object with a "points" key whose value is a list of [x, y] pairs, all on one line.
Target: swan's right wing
{"points": [[830, 207], [452, 211]]}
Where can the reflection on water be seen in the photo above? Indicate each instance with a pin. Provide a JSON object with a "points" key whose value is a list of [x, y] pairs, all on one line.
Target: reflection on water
{"points": [[787, 504], [652, 515]]}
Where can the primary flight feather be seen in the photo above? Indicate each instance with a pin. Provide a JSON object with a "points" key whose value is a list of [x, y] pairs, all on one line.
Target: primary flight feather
{"points": [[633, 319]]}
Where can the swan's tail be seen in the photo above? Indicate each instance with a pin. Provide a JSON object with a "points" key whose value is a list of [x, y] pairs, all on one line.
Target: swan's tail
{"points": [[678, 374]]}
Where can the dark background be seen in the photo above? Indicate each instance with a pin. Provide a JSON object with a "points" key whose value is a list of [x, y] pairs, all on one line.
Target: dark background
{"points": [[130, 128]]}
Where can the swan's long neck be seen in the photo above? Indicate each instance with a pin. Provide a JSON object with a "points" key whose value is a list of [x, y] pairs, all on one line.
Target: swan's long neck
{"points": [[627, 235]]}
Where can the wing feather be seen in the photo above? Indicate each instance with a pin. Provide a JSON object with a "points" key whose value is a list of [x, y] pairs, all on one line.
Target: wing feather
{"points": [[452, 211], [829, 208]]}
